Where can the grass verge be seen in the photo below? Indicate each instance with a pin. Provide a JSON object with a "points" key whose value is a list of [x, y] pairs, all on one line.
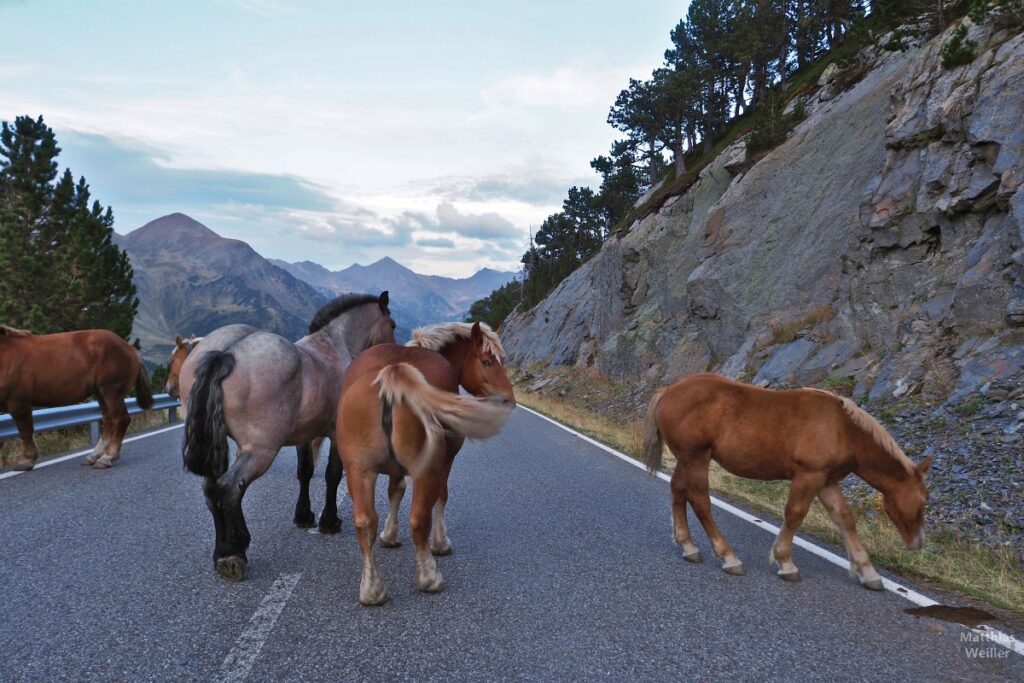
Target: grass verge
{"points": [[991, 575]]}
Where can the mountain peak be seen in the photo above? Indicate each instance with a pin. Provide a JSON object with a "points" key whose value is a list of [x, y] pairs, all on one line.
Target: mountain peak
{"points": [[172, 227]]}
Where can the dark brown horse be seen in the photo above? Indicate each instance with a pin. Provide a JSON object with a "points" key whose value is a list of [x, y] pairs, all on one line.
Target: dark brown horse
{"points": [[61, 369], [810, 436], [401, 414], [266, 392]]}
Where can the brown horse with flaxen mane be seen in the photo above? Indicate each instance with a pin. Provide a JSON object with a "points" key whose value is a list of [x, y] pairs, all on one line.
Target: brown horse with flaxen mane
{"points": [[401, 414], [810, 436], [49, 370]]}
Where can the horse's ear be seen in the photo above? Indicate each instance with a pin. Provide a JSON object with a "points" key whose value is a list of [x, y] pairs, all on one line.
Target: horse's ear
{"points": [[193, 337], [383, 301], [476, 335], [177, 340], [923, 466]]}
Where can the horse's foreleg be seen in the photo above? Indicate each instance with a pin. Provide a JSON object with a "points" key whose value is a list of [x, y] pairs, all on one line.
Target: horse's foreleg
{"points": [[29, 454], [680, 524], [330, 523], [842, 516], [361, 485], [396, 491], [699, 496], [230, 554], [425, 493], [304, 518], [802, 492], [440, 542], [118, 420]]}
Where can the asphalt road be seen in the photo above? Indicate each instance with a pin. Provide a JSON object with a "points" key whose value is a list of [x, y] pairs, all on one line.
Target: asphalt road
{"points": [[564, 569]]}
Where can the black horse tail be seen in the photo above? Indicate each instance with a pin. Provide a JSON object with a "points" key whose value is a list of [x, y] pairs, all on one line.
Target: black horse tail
{"points": [[143, 392], [205, 451]]}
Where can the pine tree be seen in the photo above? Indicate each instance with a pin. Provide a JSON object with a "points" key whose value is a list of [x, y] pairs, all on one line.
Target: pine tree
{"points": [[62, 270]]}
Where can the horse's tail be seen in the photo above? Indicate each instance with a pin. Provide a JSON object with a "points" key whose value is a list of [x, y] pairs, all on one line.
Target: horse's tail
{"points": [[654, 445], [205, 451], [143, 391], [438, 410]]}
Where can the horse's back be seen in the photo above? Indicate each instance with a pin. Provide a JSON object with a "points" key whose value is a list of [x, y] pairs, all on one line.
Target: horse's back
{"points": [[437, 371]]}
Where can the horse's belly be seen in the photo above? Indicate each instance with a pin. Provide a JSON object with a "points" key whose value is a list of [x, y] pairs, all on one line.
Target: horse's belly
{"points": [[754, 466]]}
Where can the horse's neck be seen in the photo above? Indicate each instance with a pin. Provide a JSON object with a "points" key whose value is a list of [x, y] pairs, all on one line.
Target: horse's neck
{"points": [[878, 467], [332, 349], [455, 353]]}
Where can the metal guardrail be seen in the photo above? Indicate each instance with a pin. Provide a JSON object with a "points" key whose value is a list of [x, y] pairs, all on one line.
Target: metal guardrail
{"points": [[48, 419]]}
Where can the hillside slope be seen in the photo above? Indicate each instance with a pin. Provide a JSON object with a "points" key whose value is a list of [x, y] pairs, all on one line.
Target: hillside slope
{"points": [[191, 280], [879, 245]]}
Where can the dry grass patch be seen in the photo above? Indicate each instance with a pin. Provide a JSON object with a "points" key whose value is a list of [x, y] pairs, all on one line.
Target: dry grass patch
{"points": [[991, 575]]}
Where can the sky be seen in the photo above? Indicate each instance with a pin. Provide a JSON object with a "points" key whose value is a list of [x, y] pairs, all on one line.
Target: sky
{"points": [[437, 133]]}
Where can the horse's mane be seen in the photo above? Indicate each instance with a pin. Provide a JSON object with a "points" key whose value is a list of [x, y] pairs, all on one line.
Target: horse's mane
{"points": [[333, 309], [8, 331], [436, 337], [871, 427]]}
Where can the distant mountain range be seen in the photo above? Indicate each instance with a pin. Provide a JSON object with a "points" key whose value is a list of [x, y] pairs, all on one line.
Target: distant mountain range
{"points": [[192, 280]]}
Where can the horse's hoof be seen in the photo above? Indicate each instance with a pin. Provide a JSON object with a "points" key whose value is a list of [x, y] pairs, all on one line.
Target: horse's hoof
{"points": [[373, 597], [442, 550], [329, 526], [792, 576], [873, 584], [434, 584], [104, 463], [21, 465], [232, 567], [735, 569], [390, 541], [90, 461], [694, 557], [304, 521]]}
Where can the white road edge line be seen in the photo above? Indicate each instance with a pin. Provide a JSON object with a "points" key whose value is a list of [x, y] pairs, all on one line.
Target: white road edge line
{"points": [[985, 633], [243, 655], [79, 454]]}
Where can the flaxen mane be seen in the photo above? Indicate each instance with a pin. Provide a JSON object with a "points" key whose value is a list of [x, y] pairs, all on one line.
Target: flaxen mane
{"points": [[870, 426], [436, 337], [8, 331], [332, 309]]}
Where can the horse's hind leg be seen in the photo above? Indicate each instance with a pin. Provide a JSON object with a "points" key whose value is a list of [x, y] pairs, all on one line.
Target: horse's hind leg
{"points": [[101, 443], [839, 510], [396, 491], [29, 453], [697, 492], [330, 523], [304, 518], [361, 485], [680, 524], [802, 492], [425, 492], [224, 496], [118, 420]]}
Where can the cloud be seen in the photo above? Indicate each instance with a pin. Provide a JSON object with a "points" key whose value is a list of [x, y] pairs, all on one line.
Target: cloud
{"points": [[576, 86], [349, 233], [436, 242], [528, 187]]}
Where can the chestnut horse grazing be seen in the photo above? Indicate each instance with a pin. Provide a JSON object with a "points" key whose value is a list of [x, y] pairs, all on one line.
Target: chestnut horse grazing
{"points": [[266, 392], [50, 370], [401, 414], [810, 436]]}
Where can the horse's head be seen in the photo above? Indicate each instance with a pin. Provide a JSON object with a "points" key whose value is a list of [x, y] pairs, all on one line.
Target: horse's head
{"points": [[904, 504], [178, 356], [481, 371], [382, 331]]}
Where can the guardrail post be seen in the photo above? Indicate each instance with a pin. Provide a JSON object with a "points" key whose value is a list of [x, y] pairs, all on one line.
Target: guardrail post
{"points": [[94, 433], [172, 415]]}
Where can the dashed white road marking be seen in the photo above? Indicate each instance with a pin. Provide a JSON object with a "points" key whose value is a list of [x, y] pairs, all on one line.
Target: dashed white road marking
{"points": [[986, 633], [243, 655], [79, 454]]}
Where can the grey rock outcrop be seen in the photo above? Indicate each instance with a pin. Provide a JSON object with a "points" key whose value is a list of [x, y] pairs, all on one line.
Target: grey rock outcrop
{"points": [[880, 244]]}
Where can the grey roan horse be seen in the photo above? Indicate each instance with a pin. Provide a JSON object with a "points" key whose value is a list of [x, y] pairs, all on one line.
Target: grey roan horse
{"points": [[266, 392]]}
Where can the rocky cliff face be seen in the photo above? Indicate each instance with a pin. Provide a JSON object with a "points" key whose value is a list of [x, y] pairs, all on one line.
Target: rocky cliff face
{"points": [[880, 245]]}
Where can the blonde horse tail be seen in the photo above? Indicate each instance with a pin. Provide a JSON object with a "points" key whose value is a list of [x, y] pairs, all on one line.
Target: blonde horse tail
{"points": [[654, 445], [438, 410]]}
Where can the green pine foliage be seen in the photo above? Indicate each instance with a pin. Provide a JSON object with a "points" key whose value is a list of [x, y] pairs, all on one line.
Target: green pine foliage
{"points": [[959, 49], [61, 269]]}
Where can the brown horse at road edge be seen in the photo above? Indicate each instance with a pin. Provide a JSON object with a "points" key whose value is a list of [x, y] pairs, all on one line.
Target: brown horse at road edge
{"points": [[49, 370], [810, 436]]}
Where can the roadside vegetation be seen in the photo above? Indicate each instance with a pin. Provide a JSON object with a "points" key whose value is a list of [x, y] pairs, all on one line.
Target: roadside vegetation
{"points": [[993, 575]]}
